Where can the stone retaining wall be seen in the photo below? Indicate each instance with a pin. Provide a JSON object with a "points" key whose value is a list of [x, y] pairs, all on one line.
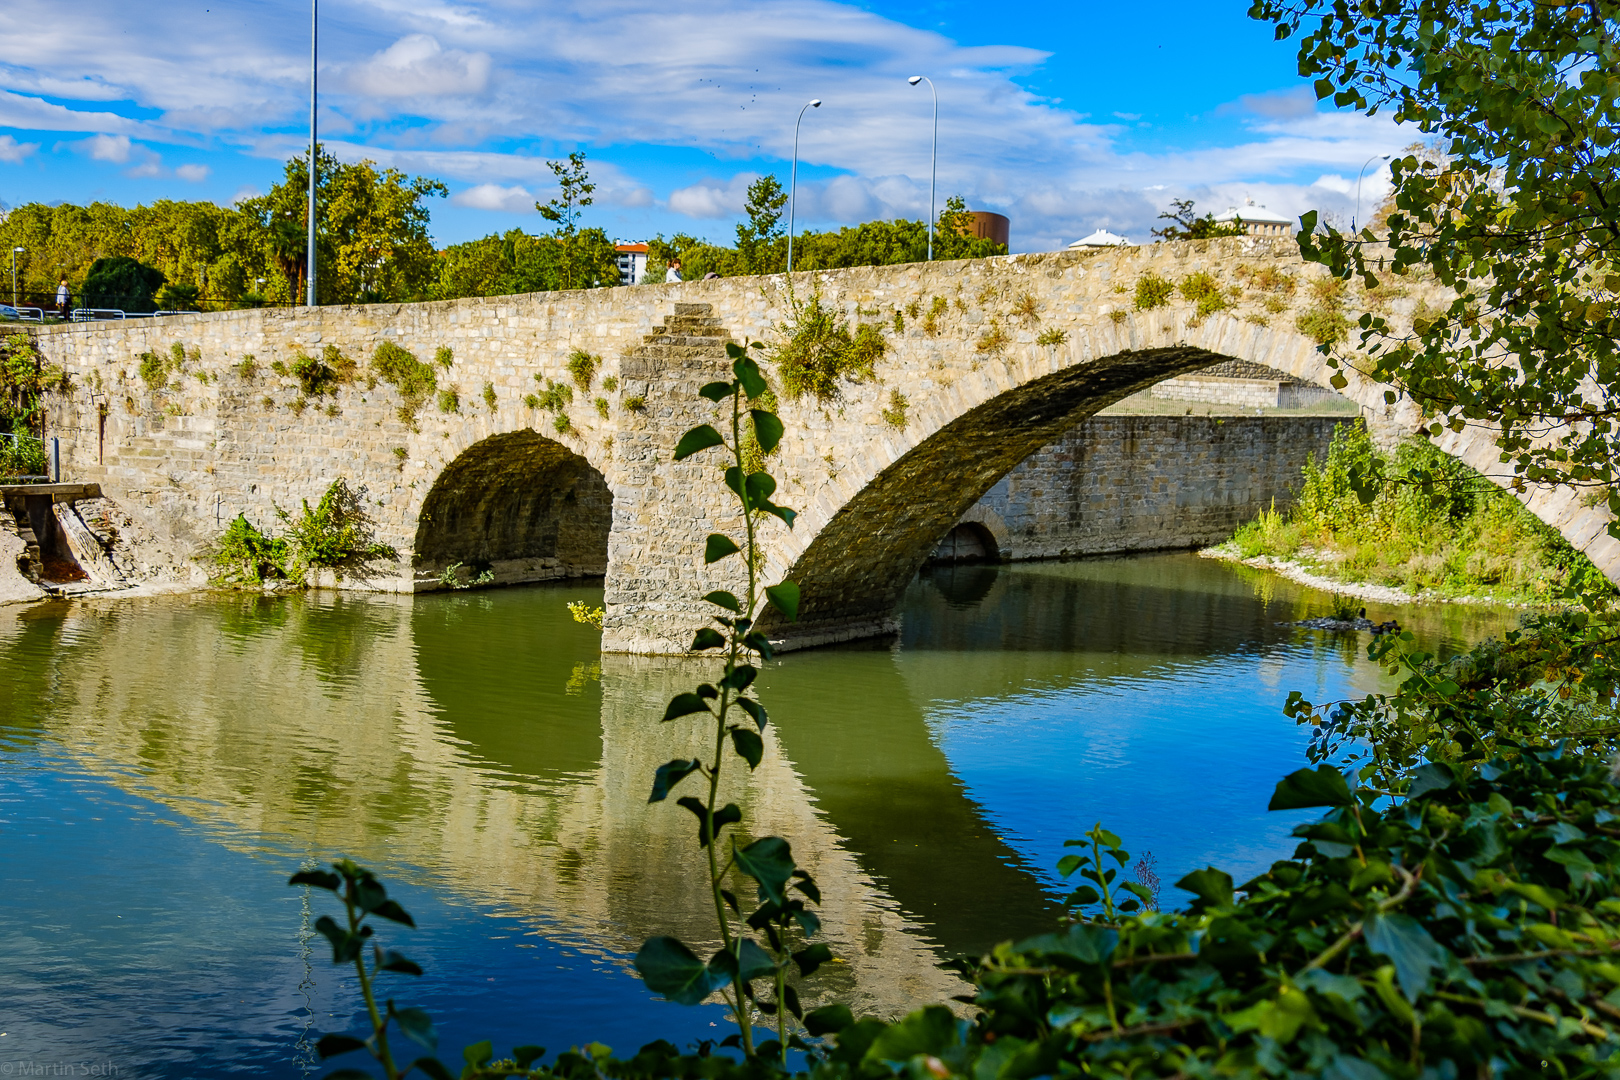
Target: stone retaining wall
{"points": [[1141, 483]]}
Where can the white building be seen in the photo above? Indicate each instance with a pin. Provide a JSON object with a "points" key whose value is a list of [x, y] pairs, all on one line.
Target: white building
{"points": [[1100, 238], [632, 263], [1258, 220]]}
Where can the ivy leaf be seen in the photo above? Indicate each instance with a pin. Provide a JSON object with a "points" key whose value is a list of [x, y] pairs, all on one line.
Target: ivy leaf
{"points": [[930, 1030], [1212, 887], [784, 598], [669, 774], [699, 438], [684, 705], [753, 962], [721, 598], [749, 746], [707, 638], [828, 1020], [717, 391], [1408, 946], [769, 861], [669, 968], [768, 429], [717, 547], [1323, 786]]}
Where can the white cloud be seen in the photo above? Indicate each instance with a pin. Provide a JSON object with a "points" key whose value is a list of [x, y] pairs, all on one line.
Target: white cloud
{"points": [[12, 152], [512, 200], [418, 66], [194, 173], [113, 148], [243, 193], [713, 198]]}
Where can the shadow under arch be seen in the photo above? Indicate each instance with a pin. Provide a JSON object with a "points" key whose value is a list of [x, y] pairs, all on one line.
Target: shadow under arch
{"points": [[851, 575], [519, 506]]}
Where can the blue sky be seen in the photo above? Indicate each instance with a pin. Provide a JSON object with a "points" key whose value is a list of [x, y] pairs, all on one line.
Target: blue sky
{"points": [[1067, 117]]}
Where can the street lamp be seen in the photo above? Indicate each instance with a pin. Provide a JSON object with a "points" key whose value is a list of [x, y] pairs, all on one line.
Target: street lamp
{"points": [[793, 182], [1370, 160], [16, 251], [933, 162], [309, 256]]}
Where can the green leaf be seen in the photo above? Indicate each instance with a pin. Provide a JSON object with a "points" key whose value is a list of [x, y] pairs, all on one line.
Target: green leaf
{"points": [[478, 1054], [1086, 942], [717, 391], [393, 961], [417, 1026], [759, 643], [769, 861], [726, 815], [1408, 946], [747, 372], [428, 1066], [753, 962], [930, 1030], [333, 1045], [391, 910], [767, 429], [756, 710], [717, 547], [318, 878], [735, 351], [721, 598], [699, 438], [669, 968], [348, 1074], [525, 1056], [812, 957], [749, 746], [345, 946], [685, 705], [669, 774], [740, 677], [784, 598], [787, 516], [1430, 777], [1213, 887], [707, 638], [828, 1020], [1323, 786], [760, 486]]}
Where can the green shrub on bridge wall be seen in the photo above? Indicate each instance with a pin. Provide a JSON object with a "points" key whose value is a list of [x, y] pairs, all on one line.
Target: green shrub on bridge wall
{"points": [[817, 351], [415, 380]]}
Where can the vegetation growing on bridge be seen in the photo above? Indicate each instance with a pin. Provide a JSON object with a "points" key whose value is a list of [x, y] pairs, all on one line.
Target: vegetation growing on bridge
{"points": [[1457, 535], [815, 351], [337, 534], [415, 380]]}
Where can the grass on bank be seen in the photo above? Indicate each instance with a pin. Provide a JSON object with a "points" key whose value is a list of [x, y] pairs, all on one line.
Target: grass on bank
{"points": [[1469, 538]]}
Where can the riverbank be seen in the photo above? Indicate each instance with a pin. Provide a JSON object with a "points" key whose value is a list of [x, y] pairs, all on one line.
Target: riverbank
{"points": [[1310, 574]]}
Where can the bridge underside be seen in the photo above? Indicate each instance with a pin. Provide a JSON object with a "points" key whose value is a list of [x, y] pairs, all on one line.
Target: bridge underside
{"points": [[519, 506]]}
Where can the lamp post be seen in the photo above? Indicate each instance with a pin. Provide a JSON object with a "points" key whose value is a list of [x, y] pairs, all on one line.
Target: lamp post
{"points": [[793, 181], [933, 159], [309, 255], [14, 253], [1369, 161]]}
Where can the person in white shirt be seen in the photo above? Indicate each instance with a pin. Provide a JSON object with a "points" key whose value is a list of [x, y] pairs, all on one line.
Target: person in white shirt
{"points": [[673, 273], [62, 299]]}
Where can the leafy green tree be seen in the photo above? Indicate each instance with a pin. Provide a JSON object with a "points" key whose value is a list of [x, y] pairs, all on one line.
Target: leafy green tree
{"points": [[574, 194], [121, 282], [757, 238], [1520, 216], [371, 231], [1185, 224]]}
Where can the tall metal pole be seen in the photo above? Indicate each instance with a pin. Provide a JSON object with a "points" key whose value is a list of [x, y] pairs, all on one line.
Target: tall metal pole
{"points": [[1370, 160], [793, 181], [309, 256], [14, 275], [933, 159]]}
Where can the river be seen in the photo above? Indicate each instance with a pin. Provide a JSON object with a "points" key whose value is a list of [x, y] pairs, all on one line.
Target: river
{"points": [[169, 761]]}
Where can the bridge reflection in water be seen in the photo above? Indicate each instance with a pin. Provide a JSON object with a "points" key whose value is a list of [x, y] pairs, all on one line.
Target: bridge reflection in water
{"points": [[479, 744]]}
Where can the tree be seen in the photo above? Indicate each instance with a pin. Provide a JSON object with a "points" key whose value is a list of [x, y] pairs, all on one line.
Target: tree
{"points": [[1185, 224], [574, 194], [757, 239], [371, 231], [1520, 217], [121, 282]]}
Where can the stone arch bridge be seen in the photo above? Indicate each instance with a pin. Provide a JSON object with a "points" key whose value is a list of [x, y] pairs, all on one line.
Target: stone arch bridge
{"points": [[521, 465]]}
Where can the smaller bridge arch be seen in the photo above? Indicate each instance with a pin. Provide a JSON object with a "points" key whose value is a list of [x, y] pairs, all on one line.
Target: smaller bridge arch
{"points": [[518, 505]]}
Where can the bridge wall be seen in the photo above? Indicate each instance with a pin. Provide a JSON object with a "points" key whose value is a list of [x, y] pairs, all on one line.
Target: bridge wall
{"points": [[1144, 483], [994, 359]]}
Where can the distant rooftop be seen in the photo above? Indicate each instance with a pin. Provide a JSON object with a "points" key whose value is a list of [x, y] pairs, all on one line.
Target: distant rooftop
{"points": [[1100, 238], [639, 249], [1253, 213]]}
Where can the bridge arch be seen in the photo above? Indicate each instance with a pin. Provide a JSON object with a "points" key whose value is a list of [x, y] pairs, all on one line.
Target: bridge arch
{"points": [[906, 490], [518, 505]]}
